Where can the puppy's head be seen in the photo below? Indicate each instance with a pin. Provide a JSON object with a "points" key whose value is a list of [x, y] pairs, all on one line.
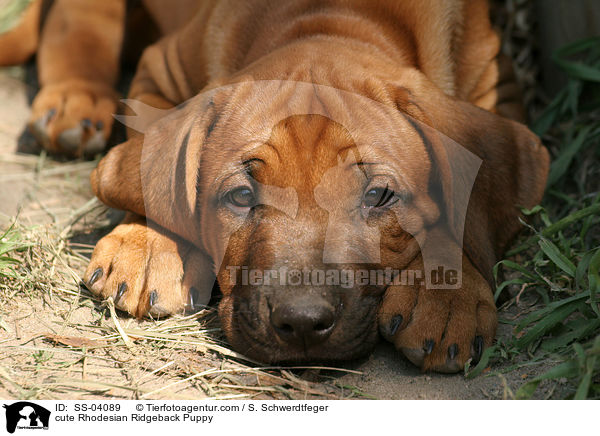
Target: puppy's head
{"points": [[312, 219], [309, 201]]}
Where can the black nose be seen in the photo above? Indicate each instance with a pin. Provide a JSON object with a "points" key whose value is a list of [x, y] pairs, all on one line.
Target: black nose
{"points": [[304, 322]]}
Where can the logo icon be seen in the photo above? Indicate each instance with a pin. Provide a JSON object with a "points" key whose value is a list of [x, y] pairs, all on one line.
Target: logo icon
{"points": [[26, 415]]}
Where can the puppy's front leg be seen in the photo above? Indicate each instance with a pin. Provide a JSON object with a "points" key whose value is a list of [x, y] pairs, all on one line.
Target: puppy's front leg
{"points": [[440, 329], [148, 270]]}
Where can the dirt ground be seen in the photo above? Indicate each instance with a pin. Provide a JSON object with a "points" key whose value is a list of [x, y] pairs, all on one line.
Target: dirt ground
{"points": [[58, 343]]}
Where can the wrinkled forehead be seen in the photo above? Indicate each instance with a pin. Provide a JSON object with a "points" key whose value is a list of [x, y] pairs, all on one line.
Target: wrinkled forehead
{"points": [[305, 123]]}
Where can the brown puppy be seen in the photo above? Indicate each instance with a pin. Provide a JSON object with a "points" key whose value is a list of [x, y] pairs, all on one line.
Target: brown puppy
{"points": [[261, 173]]}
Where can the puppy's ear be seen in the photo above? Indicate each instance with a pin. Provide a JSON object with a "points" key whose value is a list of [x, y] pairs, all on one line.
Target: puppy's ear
{"points": [[512, 173], [156, 174]]}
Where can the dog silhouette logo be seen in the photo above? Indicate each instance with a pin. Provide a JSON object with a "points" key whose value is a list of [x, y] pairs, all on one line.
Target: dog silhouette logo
{"points": [[26, 415]]}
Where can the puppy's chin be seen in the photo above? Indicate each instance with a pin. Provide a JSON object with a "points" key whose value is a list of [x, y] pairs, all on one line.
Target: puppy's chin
{"points": [[249, 333], [285, 355]]}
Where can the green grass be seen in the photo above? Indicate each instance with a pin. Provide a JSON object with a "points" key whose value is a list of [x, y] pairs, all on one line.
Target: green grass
{"points": [[556, 266], [11, 241]]}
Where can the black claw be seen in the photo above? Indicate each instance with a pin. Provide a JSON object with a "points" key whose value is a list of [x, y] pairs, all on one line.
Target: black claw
{"points": [[452, 351], [153, 298], [122, 289], [99, 125], [478, 346], [395, 324], [86, 123], [428, 347], [95, 276]]}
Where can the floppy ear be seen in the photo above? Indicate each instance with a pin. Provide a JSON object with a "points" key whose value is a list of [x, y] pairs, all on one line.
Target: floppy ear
{"points": [[512, 174], [117, 179], [156, 174]]}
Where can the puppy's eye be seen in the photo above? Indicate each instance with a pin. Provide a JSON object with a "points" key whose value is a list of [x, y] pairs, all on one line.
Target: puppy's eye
{"points": [[379, 197], [241, 197]]}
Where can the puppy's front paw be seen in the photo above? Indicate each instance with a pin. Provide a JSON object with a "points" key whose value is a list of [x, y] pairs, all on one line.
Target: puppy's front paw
{"points": [[440, 329], [147, 271], [73, 118]]}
